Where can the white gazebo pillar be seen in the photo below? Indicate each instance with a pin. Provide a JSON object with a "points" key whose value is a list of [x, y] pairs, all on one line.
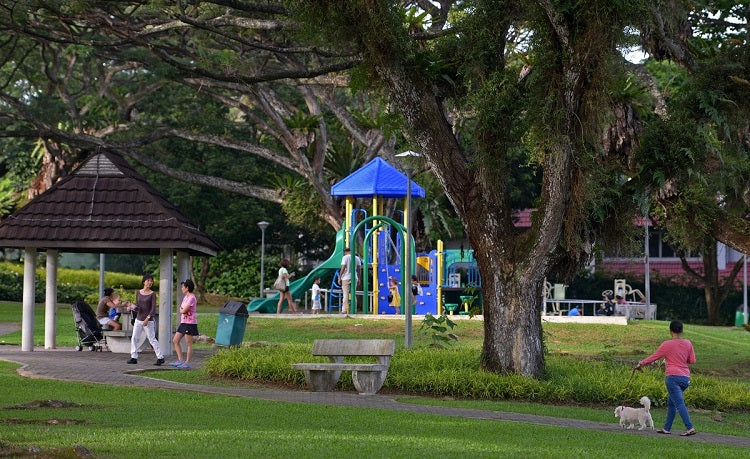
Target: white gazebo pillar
{"points": [[102, 277], [166, 287], [183, 272], [29, 286], [50, 304]]}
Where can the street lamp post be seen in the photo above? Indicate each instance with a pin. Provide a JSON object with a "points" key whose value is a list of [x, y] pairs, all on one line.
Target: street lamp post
{"points": [[262, 225], [407, 250]]}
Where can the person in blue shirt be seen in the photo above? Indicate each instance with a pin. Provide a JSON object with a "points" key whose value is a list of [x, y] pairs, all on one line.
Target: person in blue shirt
{"points": [[574, 312]]}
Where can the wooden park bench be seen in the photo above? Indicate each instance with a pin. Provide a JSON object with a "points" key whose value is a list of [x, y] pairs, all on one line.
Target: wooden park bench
{"points": [[368, 378]]}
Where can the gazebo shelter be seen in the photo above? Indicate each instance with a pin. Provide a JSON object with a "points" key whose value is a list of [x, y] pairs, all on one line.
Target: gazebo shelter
{"points": [[104, 206]]}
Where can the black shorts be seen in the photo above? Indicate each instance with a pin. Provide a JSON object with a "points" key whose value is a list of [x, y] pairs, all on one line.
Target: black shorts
{"points": [[188, 329]]}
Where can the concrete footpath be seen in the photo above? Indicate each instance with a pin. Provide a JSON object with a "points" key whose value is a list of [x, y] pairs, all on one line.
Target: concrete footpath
{"points": [[66, 364]]}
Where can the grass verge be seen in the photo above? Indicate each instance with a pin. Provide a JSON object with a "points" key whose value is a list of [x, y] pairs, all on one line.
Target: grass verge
{"points": [[137, 422]]}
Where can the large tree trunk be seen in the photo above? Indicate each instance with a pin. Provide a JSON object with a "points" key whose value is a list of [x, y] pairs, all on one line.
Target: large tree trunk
{"points": [[512, 322], [713, 289], [512, 266]]}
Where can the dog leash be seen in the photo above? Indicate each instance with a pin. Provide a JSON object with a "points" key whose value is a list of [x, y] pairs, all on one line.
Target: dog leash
{"points": [[629, 379], [628, 384]]}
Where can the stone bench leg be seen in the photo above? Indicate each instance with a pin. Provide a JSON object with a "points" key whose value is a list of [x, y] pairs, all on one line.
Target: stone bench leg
{"points": [[321, 380], [368, 382]]}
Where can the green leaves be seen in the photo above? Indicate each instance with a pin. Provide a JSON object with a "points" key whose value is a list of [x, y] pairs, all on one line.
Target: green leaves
{"points": [[439, 329]]}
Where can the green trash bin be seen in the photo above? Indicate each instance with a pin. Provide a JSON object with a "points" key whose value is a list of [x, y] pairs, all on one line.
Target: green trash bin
{"points": [[232, 322], [739, 319]]}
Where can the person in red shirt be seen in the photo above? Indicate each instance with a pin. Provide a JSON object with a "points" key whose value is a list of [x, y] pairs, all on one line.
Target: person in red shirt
{"points": [[678, 353]]}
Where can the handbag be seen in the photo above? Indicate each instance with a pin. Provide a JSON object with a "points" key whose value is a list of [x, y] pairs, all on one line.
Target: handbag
{"points": [[279, 285]]}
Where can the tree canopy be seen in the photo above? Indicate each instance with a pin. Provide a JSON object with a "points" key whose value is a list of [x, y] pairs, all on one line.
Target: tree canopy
{"points": [[511, 103]]}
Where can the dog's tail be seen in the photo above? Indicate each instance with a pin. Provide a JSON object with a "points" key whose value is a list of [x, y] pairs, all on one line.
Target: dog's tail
{"points": [[646, 402]]}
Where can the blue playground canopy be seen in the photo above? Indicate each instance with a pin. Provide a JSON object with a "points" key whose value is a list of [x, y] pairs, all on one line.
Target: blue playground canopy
{"points": [[376, 178]]}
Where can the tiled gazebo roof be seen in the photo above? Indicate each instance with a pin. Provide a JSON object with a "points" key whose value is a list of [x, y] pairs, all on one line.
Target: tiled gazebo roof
{"points": [[104, 206]]}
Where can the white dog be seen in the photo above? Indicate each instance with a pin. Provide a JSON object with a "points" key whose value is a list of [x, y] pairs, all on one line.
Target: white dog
{"points": [[630, 415]]}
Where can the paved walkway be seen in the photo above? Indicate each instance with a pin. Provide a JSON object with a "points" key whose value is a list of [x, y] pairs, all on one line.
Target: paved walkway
{"points": [[109, 368]]}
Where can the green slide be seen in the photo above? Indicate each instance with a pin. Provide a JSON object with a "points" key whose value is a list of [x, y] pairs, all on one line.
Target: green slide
{"points": [[300, 286]]}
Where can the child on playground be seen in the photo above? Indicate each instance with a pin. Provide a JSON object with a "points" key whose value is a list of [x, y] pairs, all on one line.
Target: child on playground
{"points": [[316, 296], [393, 295]]}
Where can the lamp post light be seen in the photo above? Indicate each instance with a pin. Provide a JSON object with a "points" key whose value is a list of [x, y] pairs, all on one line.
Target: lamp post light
{"points": [[262, 225], [407, 251]]}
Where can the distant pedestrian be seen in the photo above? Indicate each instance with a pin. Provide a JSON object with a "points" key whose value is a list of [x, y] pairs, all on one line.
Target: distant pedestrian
{"points": [[678, 353], [145, 302], [345, 276], [285, 294], [394, 297], [574, 312], [188, 325], [316, 296]]}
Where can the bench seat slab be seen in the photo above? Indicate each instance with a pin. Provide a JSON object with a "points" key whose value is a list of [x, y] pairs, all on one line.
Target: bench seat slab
{"points": [[368, 378]]}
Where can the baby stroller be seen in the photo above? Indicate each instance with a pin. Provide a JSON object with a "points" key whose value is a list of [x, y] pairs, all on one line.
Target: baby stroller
{"points": [[88, 328]]}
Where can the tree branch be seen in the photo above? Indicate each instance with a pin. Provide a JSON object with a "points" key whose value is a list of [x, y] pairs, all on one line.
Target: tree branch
{"points": [[688, 269], [231, 186]]}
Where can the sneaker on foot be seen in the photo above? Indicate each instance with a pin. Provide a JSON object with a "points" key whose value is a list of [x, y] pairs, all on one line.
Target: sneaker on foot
{"points": [[132, 361], [176, 363], [184, 366], [159, 361]]}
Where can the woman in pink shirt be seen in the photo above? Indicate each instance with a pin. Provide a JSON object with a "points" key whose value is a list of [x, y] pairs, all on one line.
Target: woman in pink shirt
{"points": [[678, 353], [188, 325]]}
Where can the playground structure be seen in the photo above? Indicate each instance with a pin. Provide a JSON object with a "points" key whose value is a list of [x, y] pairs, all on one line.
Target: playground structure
{"points": [[300, 286], [555, 303], [449, 279]]}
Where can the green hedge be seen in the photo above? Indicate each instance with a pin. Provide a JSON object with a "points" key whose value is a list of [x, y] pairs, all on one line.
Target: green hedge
{"points": [[72, 284], [456, 373]]}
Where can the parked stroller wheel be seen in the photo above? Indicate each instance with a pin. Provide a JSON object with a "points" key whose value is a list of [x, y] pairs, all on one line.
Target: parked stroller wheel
{"points": [[79, 348]]}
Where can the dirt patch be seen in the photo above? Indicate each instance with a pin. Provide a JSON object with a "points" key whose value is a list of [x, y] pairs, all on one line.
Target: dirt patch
{"points": [[43, 404], [77, 451], [46, 422]]}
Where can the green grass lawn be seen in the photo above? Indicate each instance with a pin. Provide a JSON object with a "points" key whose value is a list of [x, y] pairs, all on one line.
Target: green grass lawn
{"points": [[136, 422], [172, 423]]}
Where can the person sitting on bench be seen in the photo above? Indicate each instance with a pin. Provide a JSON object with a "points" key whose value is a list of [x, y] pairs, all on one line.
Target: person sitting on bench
{"points": [[110, 300]]}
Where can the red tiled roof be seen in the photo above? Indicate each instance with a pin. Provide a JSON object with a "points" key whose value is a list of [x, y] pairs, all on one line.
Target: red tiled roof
{"points": [[671, 269], [103, 206]]}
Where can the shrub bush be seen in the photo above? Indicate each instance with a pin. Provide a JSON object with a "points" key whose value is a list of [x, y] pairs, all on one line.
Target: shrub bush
{"points": [[11, 286], [237, 273], [455, 372], [72, 284]]}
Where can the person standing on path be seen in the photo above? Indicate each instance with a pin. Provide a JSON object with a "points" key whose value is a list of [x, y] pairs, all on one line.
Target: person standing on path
{"points": [[145, 303], [285, 294], [345, 276], [188, 325], [316, 306], [678, 353]]}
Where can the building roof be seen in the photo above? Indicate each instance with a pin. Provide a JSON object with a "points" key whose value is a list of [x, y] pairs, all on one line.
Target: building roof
{"points": [[104, 206], [376, 178]]}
